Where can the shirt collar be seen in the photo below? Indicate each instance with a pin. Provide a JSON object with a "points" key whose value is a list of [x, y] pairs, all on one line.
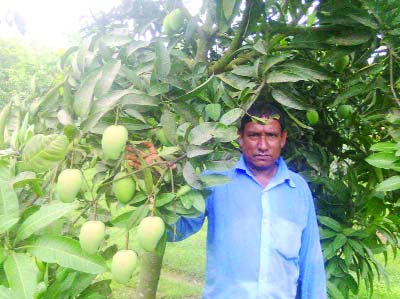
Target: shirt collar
{"points": [[281, 176]]}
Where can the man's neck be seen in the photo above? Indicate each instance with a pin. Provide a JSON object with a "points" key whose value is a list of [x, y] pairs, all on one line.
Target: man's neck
{"points": [[263, 176]]}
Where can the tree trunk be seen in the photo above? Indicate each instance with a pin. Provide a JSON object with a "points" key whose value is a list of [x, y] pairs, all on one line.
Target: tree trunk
{"points": [[150, 269]]}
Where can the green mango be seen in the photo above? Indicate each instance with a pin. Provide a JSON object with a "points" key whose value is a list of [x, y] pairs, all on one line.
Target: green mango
{"points": [[173, 21], [68, 184], [150, 231], [91, 235], [341, 63], [177, 19], [344, 111], [312, 117], [123, 264], [123, 189], [113, 141]]}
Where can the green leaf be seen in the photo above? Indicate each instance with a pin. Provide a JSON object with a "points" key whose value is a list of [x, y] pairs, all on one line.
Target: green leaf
{"points": [[24, 178], [237, 82], [273, 60], [202, 133], [245, 71], [9, 206], [4, 114], [162, 61], [382, 160], [189, 198], [83, 97], [67, 253], [211, 180], [194, 92], [191, 176], [169, 125], [331, 223], [81, 282], [356, 246], [42, 152], [213, 111], [282, 76], [21, 274], [137, 216], [136, 45], [350, 92], [260, 47], [334, 292], [117, 38], [387, 147], [199, 203], [101, 107], [108, 75], [5, 293], [225, 134], [327, 234], [164, 198], [287, 99], [140, 99], [168, 150], [195, 151], [348, 38], [348, 254], [310, 71], [390, 184], [7, 223], [49, 100], [339, 241], [231, 116], [365, 19], [228, 7], [42, 218]]}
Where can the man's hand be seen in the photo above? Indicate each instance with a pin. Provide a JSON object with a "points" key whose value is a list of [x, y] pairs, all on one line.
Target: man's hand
{"points": [[149, 156]]}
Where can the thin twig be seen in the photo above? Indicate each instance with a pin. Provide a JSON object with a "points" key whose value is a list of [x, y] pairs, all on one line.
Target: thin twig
{"points": [[168, 163], [391, 77], [81, 214]]}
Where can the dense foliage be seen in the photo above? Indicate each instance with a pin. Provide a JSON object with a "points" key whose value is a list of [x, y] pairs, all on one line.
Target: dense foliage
{"points": [[25, 71], [183, 84]]}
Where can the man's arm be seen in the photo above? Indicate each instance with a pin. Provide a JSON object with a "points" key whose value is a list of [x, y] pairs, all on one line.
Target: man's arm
{"points": [[312, 281], [185, 227]]}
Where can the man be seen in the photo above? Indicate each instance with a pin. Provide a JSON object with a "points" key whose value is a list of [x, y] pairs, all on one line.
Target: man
{"points": [[263, 239]]}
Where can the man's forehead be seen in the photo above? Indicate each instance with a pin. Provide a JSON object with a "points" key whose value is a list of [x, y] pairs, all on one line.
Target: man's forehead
{"points": [[264, 123]]}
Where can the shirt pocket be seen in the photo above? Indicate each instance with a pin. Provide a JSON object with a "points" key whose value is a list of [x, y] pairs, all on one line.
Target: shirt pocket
{"points": [[286, 237]]}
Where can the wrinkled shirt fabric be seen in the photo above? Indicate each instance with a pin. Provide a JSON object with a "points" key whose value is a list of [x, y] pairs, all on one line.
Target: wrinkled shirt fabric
{"points": [[262, 243]]}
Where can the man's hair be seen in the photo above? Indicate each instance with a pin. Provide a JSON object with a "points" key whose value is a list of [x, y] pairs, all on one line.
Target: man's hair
{"points": [[262, 109]]}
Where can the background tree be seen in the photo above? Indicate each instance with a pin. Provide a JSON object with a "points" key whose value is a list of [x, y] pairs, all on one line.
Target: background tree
{"points": [[182, 82], [26, 71]]}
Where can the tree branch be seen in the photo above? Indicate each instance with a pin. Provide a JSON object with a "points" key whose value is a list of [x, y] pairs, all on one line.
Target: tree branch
{"points": [[219, 65], [206, 32], [391, 77]]}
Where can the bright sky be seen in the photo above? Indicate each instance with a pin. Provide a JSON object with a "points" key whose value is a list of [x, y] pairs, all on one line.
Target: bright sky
{"points": [[52, 22]]}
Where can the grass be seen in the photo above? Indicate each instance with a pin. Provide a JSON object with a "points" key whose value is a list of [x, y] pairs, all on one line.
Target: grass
{"points": [[182, 275], [381, 291]]}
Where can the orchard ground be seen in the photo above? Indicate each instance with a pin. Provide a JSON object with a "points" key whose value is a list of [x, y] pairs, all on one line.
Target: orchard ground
{"points": [[182, 274]]}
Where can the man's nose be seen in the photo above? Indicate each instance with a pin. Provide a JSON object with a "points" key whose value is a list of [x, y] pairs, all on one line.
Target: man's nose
{"points": [[263, 143]]}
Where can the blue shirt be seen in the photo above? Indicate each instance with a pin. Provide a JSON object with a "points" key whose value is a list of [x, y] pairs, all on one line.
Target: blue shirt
{"points": [[262, 243]]}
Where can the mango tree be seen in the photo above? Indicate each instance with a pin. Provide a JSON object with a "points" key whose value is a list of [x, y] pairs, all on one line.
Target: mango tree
{"points": [[150, 72]]}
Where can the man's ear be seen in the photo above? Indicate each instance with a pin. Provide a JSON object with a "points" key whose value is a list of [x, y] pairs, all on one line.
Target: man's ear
{"points": [[239, 132], [283, 138]]}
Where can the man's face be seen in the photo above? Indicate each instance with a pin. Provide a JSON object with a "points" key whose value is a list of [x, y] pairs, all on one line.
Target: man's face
{"points": [[262, 144]]}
